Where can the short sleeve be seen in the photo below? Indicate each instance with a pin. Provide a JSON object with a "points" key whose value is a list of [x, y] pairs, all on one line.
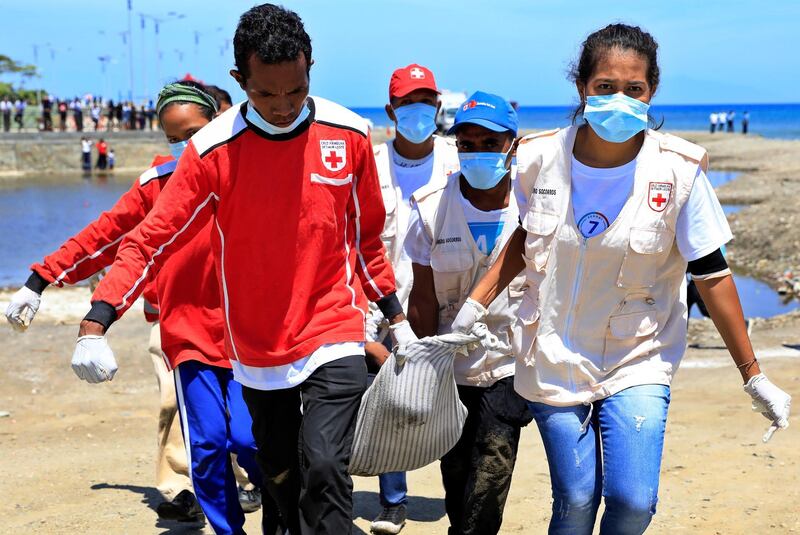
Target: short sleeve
{"points": [[521, 197], [702, 227], [417, 244], [527, 171]]}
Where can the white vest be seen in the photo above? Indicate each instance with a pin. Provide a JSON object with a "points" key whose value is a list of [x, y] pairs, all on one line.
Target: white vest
{"points": [[457, 266], [445, 162], [599, 312]]}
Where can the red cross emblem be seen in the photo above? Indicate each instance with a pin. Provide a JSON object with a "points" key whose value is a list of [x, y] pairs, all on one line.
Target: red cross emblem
{"points": [[417, 73], [333, 153], [659, 195], [333, 159]]}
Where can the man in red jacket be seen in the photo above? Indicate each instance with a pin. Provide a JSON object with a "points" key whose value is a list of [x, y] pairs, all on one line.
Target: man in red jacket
{"points": [[214, 418], [297, 215]]}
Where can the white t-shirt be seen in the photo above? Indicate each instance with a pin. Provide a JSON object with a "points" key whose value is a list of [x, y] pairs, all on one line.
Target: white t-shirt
{"points": [[411, 174], [599, 195], [485, 227]]}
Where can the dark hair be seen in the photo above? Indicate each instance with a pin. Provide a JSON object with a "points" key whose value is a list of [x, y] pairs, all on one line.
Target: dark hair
{"points": [[207, 111], [220, 95], [274, 34], [623, 37]]}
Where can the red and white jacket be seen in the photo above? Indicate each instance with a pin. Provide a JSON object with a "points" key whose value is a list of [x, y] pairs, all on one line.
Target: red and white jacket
{"points": [[95, 247], [186, 288], [297, 221]]}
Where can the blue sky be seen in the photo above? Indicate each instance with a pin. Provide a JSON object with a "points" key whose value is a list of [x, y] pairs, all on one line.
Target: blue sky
{"points": [[711, 51]]}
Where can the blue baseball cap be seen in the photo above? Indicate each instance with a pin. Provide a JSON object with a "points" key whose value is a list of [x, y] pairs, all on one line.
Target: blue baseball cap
{"points": [[486, 110]]}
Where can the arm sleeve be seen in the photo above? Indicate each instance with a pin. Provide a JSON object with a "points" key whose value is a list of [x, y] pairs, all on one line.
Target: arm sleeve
{"points": [[702, 227], [711, 266], [367, 216], [176, 217], [94, 247], [417, 244]]}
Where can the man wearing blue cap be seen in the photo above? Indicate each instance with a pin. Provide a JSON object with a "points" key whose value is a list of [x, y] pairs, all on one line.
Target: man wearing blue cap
{"points": [[456, 231]]}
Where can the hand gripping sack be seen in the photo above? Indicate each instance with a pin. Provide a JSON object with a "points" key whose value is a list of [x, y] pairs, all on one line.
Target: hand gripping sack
{"points": [[412, 415]]}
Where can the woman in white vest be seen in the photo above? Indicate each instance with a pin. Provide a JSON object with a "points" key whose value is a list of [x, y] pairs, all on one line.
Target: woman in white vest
{"points": [[456, 231], [414, 158], [612, 212]]}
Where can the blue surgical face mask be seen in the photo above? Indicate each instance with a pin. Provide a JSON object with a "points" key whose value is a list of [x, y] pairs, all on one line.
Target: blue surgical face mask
{"points": [[483, 170], [416, 122], [615, 118], [176, 149]]}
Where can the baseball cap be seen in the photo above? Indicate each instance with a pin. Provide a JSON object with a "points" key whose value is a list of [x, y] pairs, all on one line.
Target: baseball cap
{"points": [[409, 78], [486, 110]]}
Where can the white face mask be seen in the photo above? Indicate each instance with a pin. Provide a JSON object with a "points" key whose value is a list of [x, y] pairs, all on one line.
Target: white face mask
{"points": [[254, 117]]}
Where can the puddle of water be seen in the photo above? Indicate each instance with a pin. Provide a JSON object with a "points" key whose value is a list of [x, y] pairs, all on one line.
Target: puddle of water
{"points": [[758, 299], [36, 216], [729, 209], [718, 178]]}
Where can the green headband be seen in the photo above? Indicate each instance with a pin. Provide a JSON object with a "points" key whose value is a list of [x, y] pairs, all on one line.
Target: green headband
{"points": [[177, 92]]}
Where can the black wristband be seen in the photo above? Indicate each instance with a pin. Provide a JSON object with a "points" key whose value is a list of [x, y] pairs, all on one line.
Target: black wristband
{"points": [[390, 306], [102, 313], [36, 283], [711, 263]]}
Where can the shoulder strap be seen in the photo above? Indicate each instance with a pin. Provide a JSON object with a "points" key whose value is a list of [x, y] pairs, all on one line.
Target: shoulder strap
{"points": [[687, 149], [536, 135]]}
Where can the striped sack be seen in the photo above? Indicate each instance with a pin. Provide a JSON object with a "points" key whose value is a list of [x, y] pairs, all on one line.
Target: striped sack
{"points": [[412, 415]]}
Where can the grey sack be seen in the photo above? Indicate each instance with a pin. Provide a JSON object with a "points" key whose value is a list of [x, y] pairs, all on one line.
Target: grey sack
{"points": [[411, 415]]}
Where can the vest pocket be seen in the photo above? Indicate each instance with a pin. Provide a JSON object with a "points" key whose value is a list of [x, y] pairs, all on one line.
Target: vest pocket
{"points": [[541, 227], [524, 328], [328, 181], [645, 248], [628, 336]]}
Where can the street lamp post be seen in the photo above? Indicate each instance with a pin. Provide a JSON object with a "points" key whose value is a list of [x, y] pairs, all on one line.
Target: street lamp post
{"points": [[145, 89], [130, 51], [104, 61], [156, 24]]}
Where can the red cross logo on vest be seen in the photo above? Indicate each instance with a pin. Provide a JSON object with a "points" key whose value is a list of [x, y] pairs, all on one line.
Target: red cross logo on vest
{"points": [[659, 195], [333, 153], [417, 73]]}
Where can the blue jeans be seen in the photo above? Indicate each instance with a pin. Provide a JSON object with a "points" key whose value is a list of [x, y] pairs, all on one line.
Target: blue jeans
{"points": [[618, 457], [393, 488]]}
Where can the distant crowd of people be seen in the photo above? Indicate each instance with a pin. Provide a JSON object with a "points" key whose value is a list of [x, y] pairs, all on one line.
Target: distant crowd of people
{"points": [[721, 121], [105, 115]]}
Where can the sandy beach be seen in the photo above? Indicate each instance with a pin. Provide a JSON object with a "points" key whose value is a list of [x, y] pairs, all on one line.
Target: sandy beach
{"points": [[79, 458]]}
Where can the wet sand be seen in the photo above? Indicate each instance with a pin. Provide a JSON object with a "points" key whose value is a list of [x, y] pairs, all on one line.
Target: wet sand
{"points": [[78, 458]]}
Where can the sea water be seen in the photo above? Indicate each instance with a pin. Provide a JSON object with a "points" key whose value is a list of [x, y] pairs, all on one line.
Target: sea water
{"points": [[768, 120], [38, 214]]}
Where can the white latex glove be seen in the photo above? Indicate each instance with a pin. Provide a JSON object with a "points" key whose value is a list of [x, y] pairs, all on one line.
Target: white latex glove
{"points": [[93, 360], [22, 308], [402, 334], [770, 401], [471, 313]]}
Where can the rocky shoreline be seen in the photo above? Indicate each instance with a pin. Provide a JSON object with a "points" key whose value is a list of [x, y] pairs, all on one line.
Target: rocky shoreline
{"points": [[766, 231]]}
